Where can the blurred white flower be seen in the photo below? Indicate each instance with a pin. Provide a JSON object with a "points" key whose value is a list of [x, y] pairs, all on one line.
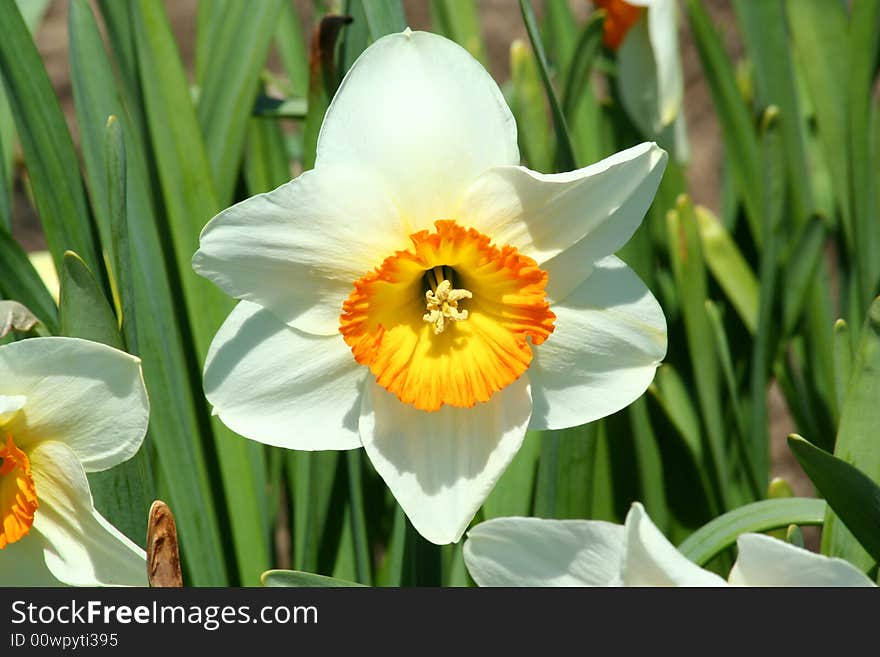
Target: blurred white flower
{"points": [[67, 407], [395, 296], [650, 80], [539, 552]]}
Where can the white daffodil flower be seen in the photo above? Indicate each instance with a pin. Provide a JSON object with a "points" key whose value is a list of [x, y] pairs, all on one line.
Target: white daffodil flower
{"points": [[539, 552], [395, 296], [644, 33], [67, 407]]}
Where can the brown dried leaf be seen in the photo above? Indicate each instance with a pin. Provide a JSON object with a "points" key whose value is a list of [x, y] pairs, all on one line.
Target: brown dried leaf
{"points": [[163, 555]]}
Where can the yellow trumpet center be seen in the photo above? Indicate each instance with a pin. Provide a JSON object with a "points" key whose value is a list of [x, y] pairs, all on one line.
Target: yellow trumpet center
{"points": [[407, 323], [18, 495]]}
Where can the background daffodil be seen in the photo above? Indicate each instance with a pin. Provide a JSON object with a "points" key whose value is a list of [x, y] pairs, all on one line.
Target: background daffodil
{"points": [[67, 407], [420, 294], [644, 34], [541, 552]]}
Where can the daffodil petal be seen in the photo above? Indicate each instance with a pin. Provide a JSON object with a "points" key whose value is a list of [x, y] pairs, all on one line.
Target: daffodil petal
{"points": [[298, 249], [566, 221], [651, 560], [9, 405], [766, 561], [422, 114], [81, 393], [663, 33], [441, 465], [22, 563], [649, 74], [279, 386], [539, 552], [81, 547], [610, 337]]}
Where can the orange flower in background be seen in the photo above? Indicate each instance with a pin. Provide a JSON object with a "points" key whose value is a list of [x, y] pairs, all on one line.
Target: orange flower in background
{"points": [[620, 16]]}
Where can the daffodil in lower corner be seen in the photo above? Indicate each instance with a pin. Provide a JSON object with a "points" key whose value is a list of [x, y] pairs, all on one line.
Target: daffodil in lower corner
{"points": [[541, 552], [67, 407], [422, 295]]}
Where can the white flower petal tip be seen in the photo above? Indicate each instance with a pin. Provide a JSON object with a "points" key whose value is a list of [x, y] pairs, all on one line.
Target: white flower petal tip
{"points": [[651, 560], [80, 547], [424, 117], [538, 552], [442, 465], [281, 387], [610, 338], [766, 561], [86, 394]]}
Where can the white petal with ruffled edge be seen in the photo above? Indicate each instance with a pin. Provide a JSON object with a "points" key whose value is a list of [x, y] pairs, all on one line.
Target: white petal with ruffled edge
{"points": [[84, 394], [442, 465], [539, 552], [766, 561], [279, 386], [651, 560], [588, 214], [422, 114], [81, 547], [610, 337], [299, 249]]}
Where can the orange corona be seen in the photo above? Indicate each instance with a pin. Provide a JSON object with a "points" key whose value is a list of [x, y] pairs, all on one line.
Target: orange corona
{"points": [[447, 321], [620, 16], [18, 495]]}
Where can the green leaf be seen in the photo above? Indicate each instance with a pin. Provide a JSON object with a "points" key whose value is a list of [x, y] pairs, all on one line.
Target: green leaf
{"points": [[766, 334], [323, 78], [281, 108], [722, 532], [190, 201], [853, 497], [293, 49], [801, 266], [741, 145], [21, 282], [124, 493], [161, 329], [241, 40], [296, 578], [357, 519], [565, 472], [459, 20], [729, 268], [764, 31], [820, 38], [581, 64], [114, 156], [32, 11], [384, 17], [85, 312], [512, 495], [312, 476], [49, 153], [856, 442], [685, 251], [843, 360], [672, 394], [526, 99], [565, 157], [864, 46]]}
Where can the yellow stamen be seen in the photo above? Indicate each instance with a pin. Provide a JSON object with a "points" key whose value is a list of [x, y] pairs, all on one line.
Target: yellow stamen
{"points": [[18, 495], [442, 304]]}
